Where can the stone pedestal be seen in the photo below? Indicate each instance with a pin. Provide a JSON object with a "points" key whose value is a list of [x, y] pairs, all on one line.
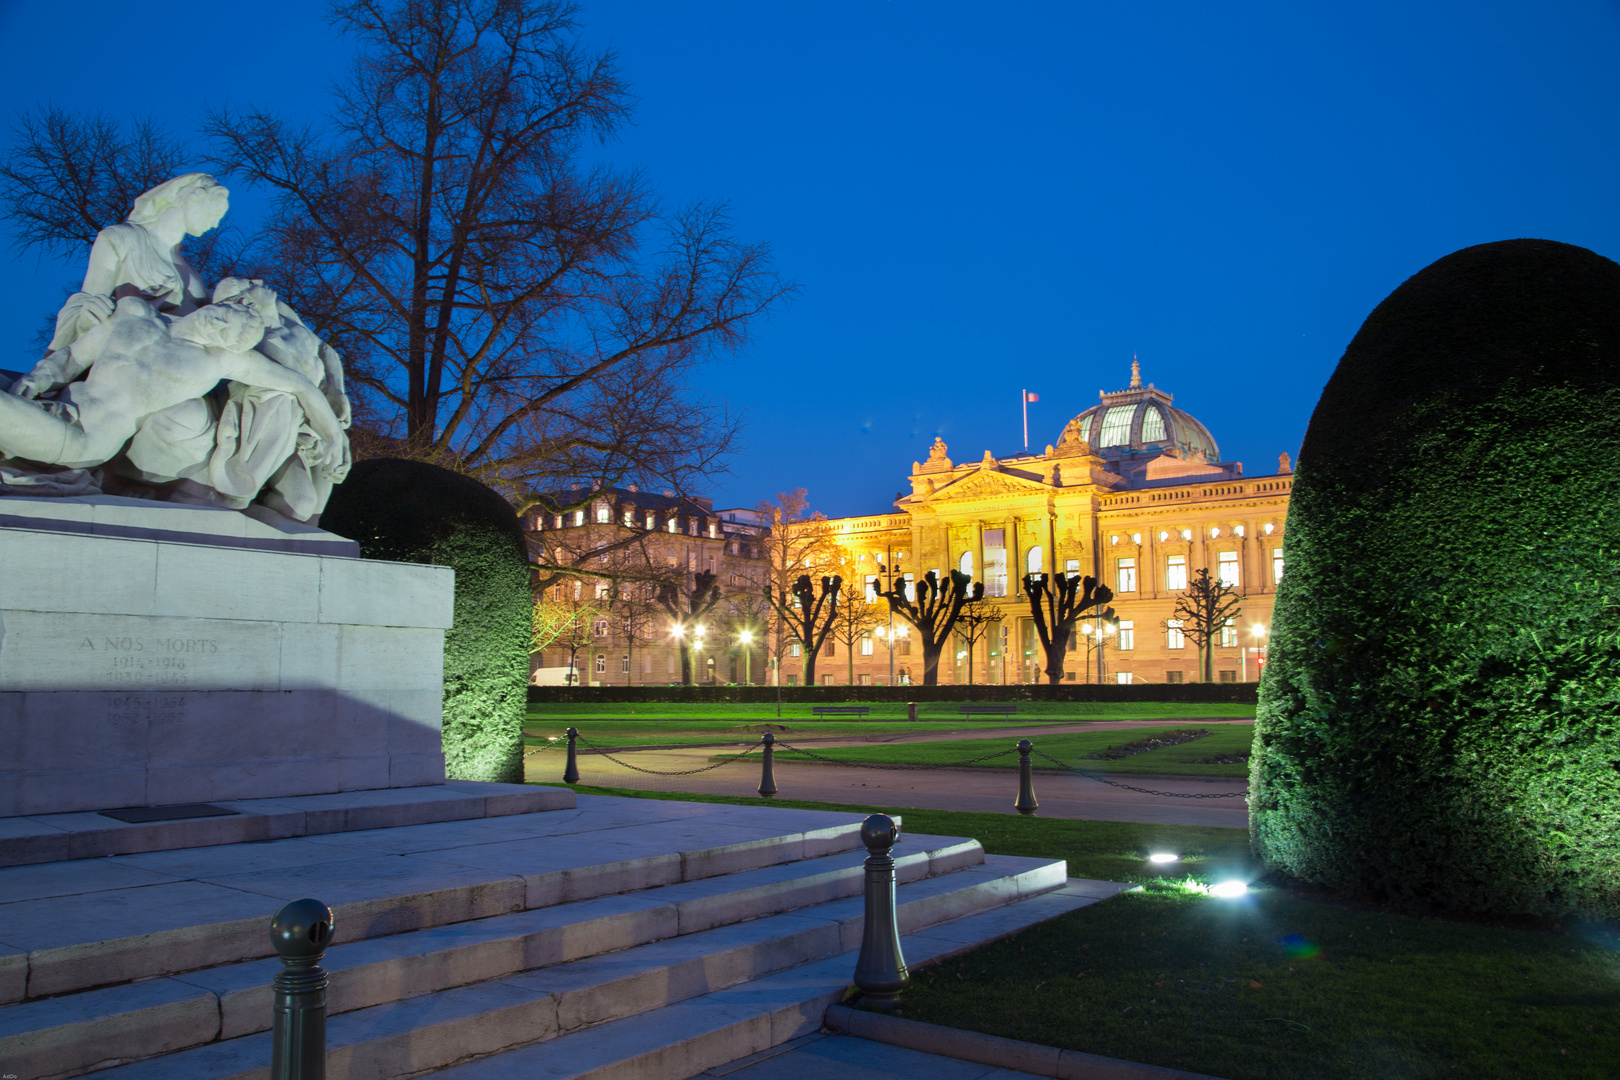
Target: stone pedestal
{"points": [[156, 654]]}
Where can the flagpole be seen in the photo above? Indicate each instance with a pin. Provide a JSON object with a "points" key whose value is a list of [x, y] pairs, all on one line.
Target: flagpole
{"points": [[1023, 396]]}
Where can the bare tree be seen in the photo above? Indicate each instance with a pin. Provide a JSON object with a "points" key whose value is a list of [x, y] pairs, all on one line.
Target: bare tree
{"points": [[1057, 604], [564, 620], [934, 612], [633, 619], [503, 308], [854, 619], [686, 604], [1205, 608], [808, 617], [973, 622], [748, 614], [795, 544]]}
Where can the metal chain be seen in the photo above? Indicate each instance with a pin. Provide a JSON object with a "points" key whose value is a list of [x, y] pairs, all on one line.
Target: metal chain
{"points": [[661, 772], [878, 765], [1142, 790]]}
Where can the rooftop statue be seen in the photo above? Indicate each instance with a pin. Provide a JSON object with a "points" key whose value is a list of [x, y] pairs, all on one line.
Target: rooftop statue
{"points": [[153, 386]]}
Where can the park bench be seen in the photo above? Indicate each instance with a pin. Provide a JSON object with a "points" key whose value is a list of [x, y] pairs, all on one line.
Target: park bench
{"points": [[988, 710], [823, 711]]}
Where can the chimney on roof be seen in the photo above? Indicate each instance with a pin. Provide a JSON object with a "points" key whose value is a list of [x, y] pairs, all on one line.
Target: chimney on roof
{"points": [[632, 489], [667, 493]]}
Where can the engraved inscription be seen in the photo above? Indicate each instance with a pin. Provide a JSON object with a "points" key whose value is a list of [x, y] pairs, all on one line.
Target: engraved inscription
{"points": [[149, 661], [148, 708]]}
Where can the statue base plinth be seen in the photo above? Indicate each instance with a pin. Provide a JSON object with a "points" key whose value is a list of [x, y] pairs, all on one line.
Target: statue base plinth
{"points": [[156, 654]]}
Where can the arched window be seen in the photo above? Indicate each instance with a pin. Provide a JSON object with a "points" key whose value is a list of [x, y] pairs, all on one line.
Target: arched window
{"points": [[1032, 563], [965, 563]]}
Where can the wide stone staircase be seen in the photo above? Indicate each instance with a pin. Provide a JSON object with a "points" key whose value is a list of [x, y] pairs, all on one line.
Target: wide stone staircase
{"points": [[619, 938]]}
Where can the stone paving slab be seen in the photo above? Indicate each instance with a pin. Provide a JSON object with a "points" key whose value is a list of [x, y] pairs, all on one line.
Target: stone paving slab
{"points": [[829, 1056], [88, 835]]}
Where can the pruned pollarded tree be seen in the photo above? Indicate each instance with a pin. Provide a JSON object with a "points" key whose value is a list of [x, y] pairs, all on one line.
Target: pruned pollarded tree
{"points": [[1057, 603], [809, 618], [933, 613], [973, 622], [686, 603], [1207, 606]]}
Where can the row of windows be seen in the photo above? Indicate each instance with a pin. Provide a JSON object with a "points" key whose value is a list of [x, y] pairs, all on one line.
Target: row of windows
{"points": [[1228, 571]]}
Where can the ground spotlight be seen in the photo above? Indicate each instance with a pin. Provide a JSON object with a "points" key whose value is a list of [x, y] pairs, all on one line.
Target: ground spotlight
{"points": [[1162, 857], [1229, 890]]}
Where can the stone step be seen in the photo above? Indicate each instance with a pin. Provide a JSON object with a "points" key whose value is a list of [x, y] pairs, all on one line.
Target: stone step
{"points": [[91, 835], [414, 1034], [75, 1032], [72, 926]]}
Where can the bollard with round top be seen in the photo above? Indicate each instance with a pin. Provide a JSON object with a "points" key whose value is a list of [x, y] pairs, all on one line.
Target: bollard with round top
{"points": [[1026, 803], [767, 774], [880, 973], [571, 770], [299, 933]]}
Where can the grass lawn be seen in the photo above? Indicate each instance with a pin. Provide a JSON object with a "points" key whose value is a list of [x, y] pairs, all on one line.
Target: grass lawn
{"points": [[1072, 748], [944, 711], [1276, 986]]}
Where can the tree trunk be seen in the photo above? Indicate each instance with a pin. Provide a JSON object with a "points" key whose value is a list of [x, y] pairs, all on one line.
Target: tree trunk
{"points": [[686, 664], [931, 664]]}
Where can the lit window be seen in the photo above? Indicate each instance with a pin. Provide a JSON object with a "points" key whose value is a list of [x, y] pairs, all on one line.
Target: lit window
{"points": [[864, 679], [629, 517], [650, 522], [674, 525], [871, 588], [1227, 568], [1127, 575], [910, 586], [604, 513], [832, 647], [866, 645], [1032, 561], [579, 589], [1116, 427], [965, 563], [624, 664], [1153, 425], [826, 680], [1127, 635], [1123, 678], [1175, 573], [601, 590], [995, 562], [714, 530], [795, 649], [1071, 566], [601, 630], [1175, 636], [579, 517], [601, 663], [1276, 565], [1228, 633]]}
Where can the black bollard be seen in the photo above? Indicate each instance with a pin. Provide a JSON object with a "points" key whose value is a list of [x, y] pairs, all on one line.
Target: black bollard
{"points": [[300, 933], [1026, 803], [880, 973], [571, 770], [767, 775]]}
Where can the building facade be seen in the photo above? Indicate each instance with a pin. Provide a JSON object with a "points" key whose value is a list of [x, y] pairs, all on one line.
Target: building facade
{"points": [[1133, 493], [610, 629]]}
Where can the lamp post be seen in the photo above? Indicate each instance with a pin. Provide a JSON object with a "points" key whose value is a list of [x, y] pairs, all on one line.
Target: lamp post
{"points": [[888, 570], [1096, 637], [894, 634], [1258, 630], [747, 639], [697, 650]]}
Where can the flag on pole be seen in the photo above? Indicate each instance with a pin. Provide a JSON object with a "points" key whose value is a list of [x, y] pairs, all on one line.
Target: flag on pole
{"points": [[1028, 396]]}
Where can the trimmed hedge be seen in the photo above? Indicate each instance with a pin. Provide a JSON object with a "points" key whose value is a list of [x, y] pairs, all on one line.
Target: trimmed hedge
{"points": [[1439, 723], [407, 511], [1198, 693]]}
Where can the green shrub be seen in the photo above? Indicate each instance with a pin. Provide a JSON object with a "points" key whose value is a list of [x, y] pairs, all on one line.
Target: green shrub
{"points": [[1193, 693], [407, 511], [1439, 725]]}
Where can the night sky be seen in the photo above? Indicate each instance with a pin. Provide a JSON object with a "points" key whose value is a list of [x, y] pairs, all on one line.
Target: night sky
{"points": [[981, 199]]}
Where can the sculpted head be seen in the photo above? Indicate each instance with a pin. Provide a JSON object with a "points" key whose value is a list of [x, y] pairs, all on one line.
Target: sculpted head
{"points": [[254, 293], [201, 199]]}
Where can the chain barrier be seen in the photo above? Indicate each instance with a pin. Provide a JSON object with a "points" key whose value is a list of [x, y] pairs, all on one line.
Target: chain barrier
{"points": [[879, 765], [661, 772], [1145, 791]]}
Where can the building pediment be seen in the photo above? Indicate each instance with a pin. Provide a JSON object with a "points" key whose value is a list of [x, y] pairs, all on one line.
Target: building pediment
{"points": [[986, 484]]}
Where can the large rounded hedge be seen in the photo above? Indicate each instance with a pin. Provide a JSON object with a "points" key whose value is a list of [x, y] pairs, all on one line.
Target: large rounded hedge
{"points": [[411, 512], [1439, 723]]}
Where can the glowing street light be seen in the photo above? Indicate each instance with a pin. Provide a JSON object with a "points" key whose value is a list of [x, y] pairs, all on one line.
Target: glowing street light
{"points": [[1229, 890], [747, 639], [1162, 857]]}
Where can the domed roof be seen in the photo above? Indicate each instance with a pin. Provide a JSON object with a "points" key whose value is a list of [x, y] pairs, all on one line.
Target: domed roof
{"points": [[1142, 421]]}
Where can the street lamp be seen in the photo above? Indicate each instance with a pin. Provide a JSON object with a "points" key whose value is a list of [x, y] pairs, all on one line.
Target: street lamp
{"points": [[1258, 630], [894, 634], [1100, 633], [747, 639]]}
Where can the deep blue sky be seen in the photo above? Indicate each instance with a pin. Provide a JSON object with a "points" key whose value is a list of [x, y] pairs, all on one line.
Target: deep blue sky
{"points": [[979, 199]]}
